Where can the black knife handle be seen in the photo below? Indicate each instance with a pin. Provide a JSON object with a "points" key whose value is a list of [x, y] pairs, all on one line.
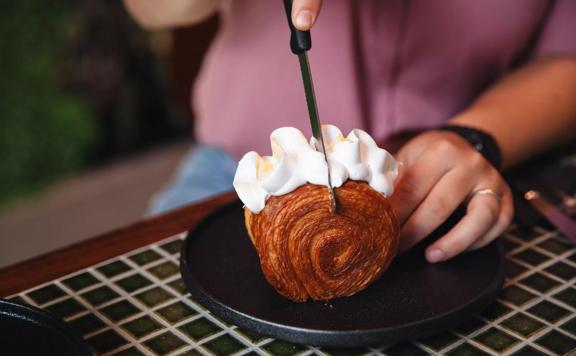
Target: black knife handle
{"points": [[300, 41]]}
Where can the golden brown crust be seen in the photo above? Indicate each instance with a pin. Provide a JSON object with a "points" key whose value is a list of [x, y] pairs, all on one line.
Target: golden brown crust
{"points": [[305, 251]]}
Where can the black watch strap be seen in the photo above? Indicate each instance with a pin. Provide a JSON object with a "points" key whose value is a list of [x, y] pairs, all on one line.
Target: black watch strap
{"points": [[482, 142]]}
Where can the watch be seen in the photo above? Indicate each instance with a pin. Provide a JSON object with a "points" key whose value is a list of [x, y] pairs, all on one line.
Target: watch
{"points": [[482, 142]]}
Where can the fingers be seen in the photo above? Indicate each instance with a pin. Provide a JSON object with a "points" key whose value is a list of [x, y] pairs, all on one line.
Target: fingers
{"points": [[481, 215], [305, 13], [504, 220], [416, 182], [441, 170], [438, 205]]}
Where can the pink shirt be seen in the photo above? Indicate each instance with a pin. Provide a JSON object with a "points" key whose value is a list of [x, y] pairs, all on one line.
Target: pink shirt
{"points": [[383, 66]]}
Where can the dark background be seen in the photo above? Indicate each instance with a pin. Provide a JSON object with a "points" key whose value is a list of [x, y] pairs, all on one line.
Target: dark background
{"points": [[81, 85], [94, 118]]}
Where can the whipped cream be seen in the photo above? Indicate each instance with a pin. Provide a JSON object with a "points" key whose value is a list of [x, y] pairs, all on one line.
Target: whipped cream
{"points": [[296, 161]]}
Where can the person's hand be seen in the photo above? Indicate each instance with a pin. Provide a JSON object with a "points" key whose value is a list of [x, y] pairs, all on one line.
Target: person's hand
{"points": [[305, 13], [442, 170]]}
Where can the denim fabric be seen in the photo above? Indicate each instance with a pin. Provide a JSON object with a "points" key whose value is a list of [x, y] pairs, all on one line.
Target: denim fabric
{"points": [[204, 172]]}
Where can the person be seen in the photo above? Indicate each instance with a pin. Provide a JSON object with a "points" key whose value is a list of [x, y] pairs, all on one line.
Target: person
{"points": [[503, 73]]}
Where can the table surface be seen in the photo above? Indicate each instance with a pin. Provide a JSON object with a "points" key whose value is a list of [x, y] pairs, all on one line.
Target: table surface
{"points": [[123, 292]]}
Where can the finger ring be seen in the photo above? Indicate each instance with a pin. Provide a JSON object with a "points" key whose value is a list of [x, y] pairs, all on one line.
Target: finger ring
{"points": [[486, 191]]}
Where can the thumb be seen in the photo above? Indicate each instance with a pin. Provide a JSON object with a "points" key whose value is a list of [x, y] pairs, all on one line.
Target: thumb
{"points": [[305, 13]]}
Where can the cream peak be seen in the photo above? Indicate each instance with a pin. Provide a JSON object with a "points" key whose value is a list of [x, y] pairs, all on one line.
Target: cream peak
{"points": [[295, 162]]}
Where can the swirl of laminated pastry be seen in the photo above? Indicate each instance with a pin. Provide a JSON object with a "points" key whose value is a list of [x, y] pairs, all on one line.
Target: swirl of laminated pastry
{"points": [[308, 252]]}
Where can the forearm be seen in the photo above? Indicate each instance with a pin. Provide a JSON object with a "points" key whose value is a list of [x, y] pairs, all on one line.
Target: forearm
{"points": [[155, 14], [530, 110]]}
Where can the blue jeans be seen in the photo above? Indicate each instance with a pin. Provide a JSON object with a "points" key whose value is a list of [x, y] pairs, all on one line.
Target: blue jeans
{"points": [[204, 172]]}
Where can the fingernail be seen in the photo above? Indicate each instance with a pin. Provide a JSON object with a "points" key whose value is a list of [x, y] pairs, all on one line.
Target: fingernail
{"points": [[435, 255], [304, 19]]}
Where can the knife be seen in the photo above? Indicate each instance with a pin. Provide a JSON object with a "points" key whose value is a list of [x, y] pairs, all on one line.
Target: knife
{"points": [[300, 44], [554, 215]]}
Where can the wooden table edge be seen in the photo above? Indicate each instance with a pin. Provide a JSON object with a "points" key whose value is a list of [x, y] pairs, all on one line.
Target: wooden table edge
{"points": [[38, 270]]}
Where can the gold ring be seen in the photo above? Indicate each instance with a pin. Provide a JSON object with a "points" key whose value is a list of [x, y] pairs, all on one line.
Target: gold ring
{"points": [[486, 191]]}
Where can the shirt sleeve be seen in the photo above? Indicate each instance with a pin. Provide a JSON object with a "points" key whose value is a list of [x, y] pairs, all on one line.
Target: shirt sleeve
{"points": [[558, 36]]}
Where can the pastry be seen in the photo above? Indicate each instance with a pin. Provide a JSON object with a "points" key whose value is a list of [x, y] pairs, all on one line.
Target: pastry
{"points": [[305, 250]]}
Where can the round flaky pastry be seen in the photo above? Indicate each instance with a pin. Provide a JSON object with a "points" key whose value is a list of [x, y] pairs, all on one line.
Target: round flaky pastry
{"points": [[308, 252]]}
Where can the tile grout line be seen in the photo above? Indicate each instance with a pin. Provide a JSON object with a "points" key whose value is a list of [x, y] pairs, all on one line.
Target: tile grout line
{"points": [[208, 315], [522, 341], [111, 325], [540, 296], [249, 345], [201, 311], [148, 310]]}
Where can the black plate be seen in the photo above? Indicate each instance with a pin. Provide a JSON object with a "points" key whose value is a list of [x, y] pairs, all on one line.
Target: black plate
{"points": [[25, 330], [412, 299]]}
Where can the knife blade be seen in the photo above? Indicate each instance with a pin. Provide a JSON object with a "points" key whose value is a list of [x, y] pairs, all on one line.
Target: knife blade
{"points": [[554, 215], [300, 44]]}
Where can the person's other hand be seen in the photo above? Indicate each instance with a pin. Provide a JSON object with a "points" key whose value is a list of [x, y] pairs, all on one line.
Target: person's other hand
{"points": [[442, 170], [305, 13]]}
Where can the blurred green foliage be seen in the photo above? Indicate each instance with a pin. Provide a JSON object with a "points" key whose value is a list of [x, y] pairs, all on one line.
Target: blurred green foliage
{"points": [[44, 131]]}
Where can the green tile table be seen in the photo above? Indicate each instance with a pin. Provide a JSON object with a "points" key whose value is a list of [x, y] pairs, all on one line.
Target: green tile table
{"points": [[123, 293]]}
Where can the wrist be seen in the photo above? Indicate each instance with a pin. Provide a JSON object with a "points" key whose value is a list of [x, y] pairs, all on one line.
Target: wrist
{"points": [[480, 140]]}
